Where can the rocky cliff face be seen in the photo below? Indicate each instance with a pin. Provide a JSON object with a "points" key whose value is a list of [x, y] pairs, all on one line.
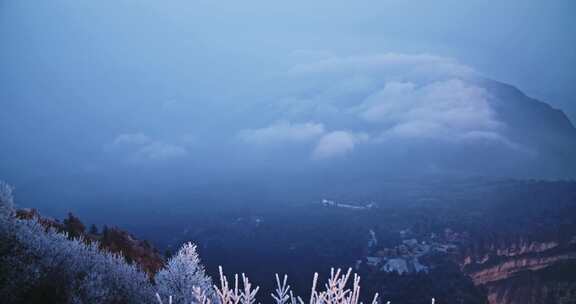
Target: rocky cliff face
{"points": [[525, 272]]}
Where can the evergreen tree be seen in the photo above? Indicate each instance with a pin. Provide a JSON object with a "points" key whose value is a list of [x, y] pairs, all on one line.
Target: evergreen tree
{"points": [[182, 274]]}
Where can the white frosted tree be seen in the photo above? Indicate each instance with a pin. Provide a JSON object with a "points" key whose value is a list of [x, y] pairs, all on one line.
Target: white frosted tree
{"points": [[182, 275], [33, 257]]}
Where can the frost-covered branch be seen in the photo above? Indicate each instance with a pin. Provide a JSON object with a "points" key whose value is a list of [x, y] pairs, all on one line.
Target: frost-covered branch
{"points": [[282, 294], [35, 257], [336, 290]]}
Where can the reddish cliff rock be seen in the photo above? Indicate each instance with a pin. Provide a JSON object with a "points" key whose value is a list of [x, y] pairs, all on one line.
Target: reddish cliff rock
{"points": [[525, 272]]}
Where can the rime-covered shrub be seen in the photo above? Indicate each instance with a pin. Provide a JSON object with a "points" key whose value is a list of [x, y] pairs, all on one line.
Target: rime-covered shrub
{"points": [[40, 265], [336, 291], [182, 274]]}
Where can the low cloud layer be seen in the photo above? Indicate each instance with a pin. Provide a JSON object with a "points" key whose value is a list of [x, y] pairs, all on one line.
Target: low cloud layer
{"points": [[377, 98], [331, 107], [327, 144], [142, 148], [441, 110], [337, 144], [282, 132]]}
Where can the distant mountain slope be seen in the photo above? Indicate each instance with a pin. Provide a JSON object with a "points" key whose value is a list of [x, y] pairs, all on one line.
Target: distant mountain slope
{"points": [[395, 114], [456, 126], [547, 131]]}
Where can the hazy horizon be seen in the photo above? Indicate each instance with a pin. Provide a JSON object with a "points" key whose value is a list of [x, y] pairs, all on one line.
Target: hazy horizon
{"points": [[153, 96], [427, 146]]}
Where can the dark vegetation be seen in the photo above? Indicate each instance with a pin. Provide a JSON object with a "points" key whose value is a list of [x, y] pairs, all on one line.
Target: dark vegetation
{"points": [[488, 222]]}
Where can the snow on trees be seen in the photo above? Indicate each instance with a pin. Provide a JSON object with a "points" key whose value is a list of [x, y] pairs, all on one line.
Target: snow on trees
{"points": [[36, 261], [182, 274]]}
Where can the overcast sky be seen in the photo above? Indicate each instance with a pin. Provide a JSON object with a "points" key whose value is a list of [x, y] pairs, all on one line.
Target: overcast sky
{"points": [[88, 83], [528, 43]]}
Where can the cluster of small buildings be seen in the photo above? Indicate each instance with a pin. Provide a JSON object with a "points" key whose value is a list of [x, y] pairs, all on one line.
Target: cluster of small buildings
{"points": [[403, 258]]}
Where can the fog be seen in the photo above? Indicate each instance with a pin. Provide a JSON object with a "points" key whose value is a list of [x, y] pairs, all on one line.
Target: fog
{"points": [[153, 103]]}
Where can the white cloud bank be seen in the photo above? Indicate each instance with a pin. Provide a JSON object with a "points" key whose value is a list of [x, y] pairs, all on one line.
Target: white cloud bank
{"points": [[337, 144], [448, 110], [376, 98], [141, 147], [327, 144], [282, 132], [405, 96]]}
